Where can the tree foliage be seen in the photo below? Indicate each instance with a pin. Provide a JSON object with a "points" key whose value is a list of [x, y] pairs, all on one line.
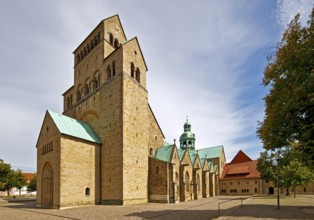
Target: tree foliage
{"points": [[10, 178], [32, 186], [287, 167], [5, 170], [289, 112], [296, 175]]}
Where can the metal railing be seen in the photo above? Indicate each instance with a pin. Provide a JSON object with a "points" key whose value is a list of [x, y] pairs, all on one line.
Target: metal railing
{"points": [[230, 200]]}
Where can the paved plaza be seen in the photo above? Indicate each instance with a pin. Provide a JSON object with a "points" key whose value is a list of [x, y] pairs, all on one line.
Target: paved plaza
{"points": [[255, 207]]}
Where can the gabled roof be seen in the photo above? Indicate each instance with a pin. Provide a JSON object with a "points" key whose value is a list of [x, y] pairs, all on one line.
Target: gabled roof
{"points": [[102, 21], [139, 47], [241, 170], [151, 110], [241, 157], [211, 152], [165, 153], [73, 127]]}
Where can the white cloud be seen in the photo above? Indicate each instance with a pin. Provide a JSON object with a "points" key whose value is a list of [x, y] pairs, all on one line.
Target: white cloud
{"points": [[197, 56], [287, 9]]}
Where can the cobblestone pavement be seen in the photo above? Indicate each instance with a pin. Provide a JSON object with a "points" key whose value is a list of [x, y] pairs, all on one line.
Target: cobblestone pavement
{"points": [[230, 208]]}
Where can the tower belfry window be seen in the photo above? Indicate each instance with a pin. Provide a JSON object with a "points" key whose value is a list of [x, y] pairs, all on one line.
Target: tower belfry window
{"points": [[108, 72], [138, 75], [111, 40], [113, 68], [116, 43], [132, 69]]}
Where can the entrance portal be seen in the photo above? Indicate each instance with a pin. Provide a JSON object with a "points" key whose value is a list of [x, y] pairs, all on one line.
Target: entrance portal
{"points": [[47, 186]]}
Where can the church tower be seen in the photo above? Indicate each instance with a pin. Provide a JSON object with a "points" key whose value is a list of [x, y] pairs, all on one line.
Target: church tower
{"points": [[109, 93], [187, 139]]}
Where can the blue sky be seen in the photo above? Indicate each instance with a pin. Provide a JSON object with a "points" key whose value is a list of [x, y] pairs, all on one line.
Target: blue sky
{"points": [[205, 60]]}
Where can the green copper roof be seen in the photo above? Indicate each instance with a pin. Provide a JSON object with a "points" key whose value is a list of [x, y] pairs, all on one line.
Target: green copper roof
{"points": [[193, 154], [73, 127], [165, 153], [211, 152], [203, 162], [181, 153]]}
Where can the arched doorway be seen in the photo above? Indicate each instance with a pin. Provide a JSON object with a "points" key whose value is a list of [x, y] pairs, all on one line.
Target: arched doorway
{"points": [[47, 186]]}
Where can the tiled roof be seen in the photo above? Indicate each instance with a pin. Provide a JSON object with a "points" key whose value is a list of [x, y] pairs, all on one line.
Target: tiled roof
{"points": [[211, 152], [73, 127], [28, 176], [241, 170], [165, 153], [241, 157]]}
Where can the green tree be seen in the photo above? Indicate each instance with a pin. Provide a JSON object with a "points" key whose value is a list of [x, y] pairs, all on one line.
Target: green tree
{"points": [[266, 167], [289, 75], [32, 186], [5, 169], [295, 174], [19, 180]]}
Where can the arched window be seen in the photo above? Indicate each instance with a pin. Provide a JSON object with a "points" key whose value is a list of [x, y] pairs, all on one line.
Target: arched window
{"points": [[116, 43], [88, 48], [81, 55], [98, 37], [111, 39], [138, 75], [95, 40], [113, 68], [87, 87], [91, 43], [198, 182], [78, 58], [85, 51], [108, 72], [157, 169], [151, 152], [96, 80], [68, 102], [87, 191], [79, 93], [187, 181], [132, 69]]}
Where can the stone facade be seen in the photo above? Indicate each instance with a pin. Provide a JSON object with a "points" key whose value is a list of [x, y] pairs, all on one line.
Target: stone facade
{"points": [[124, 158]]}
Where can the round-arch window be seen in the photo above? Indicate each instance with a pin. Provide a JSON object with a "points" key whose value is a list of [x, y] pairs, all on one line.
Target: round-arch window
{"points": [[87, 191]]}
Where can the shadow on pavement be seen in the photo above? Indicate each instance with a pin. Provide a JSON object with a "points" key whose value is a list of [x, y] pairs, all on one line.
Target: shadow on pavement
{"points": [[271, 211], [176, 214]]}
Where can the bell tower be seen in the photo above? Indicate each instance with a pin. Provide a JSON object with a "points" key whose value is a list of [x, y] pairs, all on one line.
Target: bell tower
{"points": [[187, 139]]}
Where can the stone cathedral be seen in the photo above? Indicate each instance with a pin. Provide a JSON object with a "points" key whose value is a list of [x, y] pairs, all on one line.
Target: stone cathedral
{"points": [[107, 146]]}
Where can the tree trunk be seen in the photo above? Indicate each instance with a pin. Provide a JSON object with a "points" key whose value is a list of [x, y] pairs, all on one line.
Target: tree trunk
{"points": [[294, 191], [287, 191], [20, 191]]}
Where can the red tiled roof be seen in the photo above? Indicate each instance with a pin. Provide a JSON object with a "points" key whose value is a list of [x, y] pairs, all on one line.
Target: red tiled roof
{"points": [[241, 157], [28, 176], [240, 170]]}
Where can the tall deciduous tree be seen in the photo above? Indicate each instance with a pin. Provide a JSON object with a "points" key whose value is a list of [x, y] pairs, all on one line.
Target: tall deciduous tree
{"points": [[289, 112]]}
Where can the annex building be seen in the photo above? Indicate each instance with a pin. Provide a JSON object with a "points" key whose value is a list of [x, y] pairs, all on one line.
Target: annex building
{"points": [[107, 146]]}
